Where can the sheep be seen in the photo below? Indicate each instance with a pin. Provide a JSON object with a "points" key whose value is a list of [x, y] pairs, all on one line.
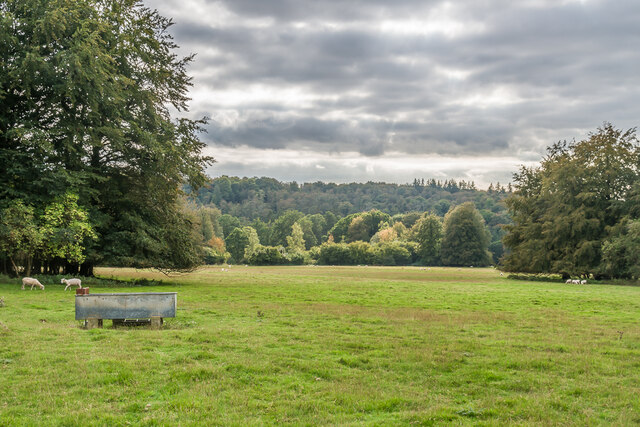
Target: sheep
{"points": [[72, 282], [575, 282], [583, 282], [31, 281], [568, 281]]}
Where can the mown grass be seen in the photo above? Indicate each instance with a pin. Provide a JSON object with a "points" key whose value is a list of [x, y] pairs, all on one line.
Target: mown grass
{"points": [[329, 345]]}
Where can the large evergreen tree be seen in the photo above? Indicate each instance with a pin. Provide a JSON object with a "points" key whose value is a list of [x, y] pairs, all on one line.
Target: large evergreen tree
{"points": [[86, 88]]}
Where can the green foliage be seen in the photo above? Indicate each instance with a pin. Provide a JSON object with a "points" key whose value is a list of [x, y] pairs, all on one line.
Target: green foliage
{"points": [[253, 241], [263, 230], [268, 255], [309, 236], [358, 230], [210, 223], [319, 227], [427, 232], [213, 256], [65, 229], [20, 237], [361, 226], [391, 253], [621, 254], [241, 243], [465, 238], [61, 232], [363, 253], [236, 242], [282, 227], [228, 224], [339, 229], [565, 209], [87, 89], [267, 198], [335, 254], [408, 219], [295, 242]]}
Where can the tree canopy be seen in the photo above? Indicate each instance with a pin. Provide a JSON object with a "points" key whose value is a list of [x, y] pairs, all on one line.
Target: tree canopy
{"points": [[86, 93], [578, 198], [465, 239]]}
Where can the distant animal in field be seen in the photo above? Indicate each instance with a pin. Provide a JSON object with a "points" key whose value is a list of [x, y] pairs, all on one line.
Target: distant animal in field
{"points": [[72, 282], [583, 282], [26, 281], [575, 282], [568, 281]]}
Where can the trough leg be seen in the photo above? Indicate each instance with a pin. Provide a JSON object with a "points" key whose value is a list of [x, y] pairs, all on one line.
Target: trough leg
{"points": [[94, 323], [156, 322]]}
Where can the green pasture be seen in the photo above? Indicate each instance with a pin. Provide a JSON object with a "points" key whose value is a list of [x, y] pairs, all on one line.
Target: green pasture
{"points": [[328, 345]]}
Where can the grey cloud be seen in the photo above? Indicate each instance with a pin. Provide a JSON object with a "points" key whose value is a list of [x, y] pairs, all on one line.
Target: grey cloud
{"points": [[568, 66]]}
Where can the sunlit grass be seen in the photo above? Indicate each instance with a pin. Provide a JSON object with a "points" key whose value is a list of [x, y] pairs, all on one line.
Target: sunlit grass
{"points": [[329, 345]]}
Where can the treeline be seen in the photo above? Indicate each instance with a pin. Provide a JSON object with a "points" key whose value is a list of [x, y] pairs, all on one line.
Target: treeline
{"points": [[267, 198], [271, 206], [461, 238]]}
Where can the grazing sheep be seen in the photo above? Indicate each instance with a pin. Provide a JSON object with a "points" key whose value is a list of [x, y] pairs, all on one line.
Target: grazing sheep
{"points": [[501, 274], [72, 282], [31, 281], [568, 281], [583, 282], [575, 282]]}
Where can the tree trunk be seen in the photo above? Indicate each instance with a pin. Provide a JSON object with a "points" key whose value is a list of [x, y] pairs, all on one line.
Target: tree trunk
{"points": [[15, 267], [28, 266]]}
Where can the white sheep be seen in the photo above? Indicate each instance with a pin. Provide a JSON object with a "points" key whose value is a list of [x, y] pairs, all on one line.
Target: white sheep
{"points": [[31, 281], [72, 282], [583, 282], [575, 282], [568, 281]]}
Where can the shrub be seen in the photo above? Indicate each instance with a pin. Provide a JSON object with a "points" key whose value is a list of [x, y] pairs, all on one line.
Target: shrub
{"points": [[214, 256], [268, 255], [297, 258], [334, 254], [392, 253]]}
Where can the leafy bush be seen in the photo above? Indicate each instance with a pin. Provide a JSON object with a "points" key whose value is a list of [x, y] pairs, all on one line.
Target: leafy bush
{"points": [[213, 256], [362, 253], [297, 258], [392, 253], [335, 254], [268, 255]]}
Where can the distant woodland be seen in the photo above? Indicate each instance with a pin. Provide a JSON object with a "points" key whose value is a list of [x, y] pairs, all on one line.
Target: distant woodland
{"points": [[326, 211]]}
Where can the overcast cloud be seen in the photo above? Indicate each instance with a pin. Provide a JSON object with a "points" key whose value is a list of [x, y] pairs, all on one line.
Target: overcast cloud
{"points": [[389, 91]]}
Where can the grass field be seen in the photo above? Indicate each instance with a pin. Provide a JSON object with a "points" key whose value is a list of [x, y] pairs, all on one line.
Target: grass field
{"points": [[329, 345]]}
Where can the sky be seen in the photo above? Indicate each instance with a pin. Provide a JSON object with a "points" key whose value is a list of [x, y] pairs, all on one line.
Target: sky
{"points": [[378, 90]]}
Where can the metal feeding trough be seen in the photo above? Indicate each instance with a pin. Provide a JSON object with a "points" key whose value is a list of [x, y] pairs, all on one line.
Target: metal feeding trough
{"points": [[126, 308]]}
